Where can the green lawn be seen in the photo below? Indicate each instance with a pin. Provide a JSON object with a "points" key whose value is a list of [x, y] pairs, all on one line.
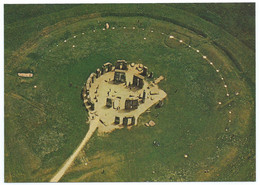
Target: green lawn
{"points": [[44, 125]]}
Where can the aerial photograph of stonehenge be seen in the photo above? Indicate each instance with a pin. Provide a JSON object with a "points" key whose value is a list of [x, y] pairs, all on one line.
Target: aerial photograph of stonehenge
{"points": [[153, 92]]}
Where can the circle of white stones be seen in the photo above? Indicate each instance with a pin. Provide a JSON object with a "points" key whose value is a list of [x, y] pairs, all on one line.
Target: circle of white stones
{"points": [[204, 57]]}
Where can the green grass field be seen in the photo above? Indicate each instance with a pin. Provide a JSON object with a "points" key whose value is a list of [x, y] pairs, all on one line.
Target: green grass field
{"points": [[44, 125]]}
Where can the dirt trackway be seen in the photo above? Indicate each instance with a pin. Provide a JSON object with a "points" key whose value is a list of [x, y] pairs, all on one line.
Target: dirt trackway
{"points": [[93, 126]]}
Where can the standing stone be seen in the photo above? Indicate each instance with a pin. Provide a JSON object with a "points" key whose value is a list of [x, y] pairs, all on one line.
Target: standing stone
{"points": [[144, 96]]}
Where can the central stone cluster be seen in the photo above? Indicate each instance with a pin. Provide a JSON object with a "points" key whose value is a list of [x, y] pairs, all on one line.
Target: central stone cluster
{"points": [[117, 95]]}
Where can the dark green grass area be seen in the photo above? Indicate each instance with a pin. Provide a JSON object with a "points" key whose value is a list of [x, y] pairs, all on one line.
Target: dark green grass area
{"points": [[220, 14], [44, 125], [17, 13]]}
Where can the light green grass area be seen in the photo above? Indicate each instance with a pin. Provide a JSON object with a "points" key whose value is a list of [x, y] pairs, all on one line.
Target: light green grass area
{"points": [[44, 125]]}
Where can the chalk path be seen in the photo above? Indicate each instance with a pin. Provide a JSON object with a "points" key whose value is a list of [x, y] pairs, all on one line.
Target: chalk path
{"points": [[92, 127]]}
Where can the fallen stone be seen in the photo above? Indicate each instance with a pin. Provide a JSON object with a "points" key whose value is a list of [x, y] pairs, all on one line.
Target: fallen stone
{"points": [[156, 81], [151, 123], [154, 92]]}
